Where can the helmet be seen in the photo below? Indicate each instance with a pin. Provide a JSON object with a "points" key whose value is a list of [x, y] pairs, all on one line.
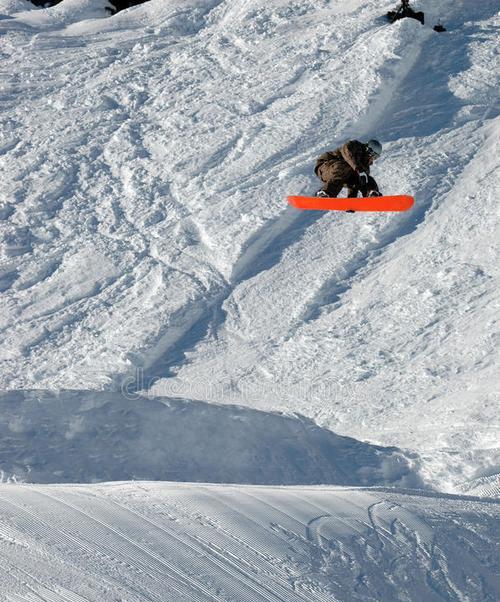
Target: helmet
{"points": [[374, 148]]}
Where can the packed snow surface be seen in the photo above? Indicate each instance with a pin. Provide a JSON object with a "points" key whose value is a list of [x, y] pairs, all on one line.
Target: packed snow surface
{"points": [[152, 542]]}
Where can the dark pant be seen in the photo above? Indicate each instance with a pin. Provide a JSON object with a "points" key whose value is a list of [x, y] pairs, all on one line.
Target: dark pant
{"points": [[336, 175]]}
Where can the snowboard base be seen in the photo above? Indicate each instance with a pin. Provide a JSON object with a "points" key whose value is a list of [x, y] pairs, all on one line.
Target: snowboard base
{"points": [[400, 202]]}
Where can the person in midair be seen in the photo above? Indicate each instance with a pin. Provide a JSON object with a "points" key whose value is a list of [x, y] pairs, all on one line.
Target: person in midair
{"points": [[405, 10], [349, 167]]}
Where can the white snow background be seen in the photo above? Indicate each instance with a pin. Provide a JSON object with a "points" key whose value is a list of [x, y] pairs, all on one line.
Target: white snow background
{"points": [[166, 316]]}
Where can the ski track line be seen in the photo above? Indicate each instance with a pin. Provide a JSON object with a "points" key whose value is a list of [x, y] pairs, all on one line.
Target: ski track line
{"points": [[44, 593], [256, 246], [46, 532], [392, 512], [220, 506], [287, 223], [299, 521], [199, 316], [371, 511], [21, 581], [286, 590], [97, 544], [236, 498], [193, 554], [159, 563], [362, 518], [199, 543]]}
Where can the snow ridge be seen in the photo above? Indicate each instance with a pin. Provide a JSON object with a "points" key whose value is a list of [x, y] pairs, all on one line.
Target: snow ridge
{"points": [[88, 436]]}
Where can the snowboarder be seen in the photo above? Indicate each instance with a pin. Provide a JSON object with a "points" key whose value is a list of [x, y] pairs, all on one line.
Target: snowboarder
{"points": [[349, 166], [405, 10]]}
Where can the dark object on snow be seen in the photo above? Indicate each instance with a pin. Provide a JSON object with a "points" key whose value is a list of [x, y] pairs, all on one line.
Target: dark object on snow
{"points": [[405, 10], [123, 4], [118, 4], [439, 28]]}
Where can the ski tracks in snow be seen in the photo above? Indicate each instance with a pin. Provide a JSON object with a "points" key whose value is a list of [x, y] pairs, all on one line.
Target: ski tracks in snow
{"points": [[171, 151], [311, 309], [146, 541], [164, 151], [277, 235]]}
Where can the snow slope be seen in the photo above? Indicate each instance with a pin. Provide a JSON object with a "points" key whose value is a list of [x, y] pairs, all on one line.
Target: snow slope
{"points": [[152, 277], [145, 237], [163, 541]]}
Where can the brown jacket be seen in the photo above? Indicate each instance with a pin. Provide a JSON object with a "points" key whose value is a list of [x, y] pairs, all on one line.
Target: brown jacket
{"points": [[353, 153]]}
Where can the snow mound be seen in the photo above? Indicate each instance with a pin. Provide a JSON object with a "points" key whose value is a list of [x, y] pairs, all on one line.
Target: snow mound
{"points": [[159, 541], [61, 15], [10, 7], [84, 437]]}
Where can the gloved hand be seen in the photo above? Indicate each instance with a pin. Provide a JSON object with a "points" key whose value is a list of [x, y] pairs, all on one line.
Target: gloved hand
{"points": [[363, 179], [375, 193]]}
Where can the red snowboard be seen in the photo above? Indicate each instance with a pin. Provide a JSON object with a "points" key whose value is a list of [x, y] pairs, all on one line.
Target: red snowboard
{"points": [[401, 202]]}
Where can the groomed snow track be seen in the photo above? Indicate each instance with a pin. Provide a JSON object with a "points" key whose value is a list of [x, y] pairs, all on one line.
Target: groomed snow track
{"points": [[151, 542]]}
